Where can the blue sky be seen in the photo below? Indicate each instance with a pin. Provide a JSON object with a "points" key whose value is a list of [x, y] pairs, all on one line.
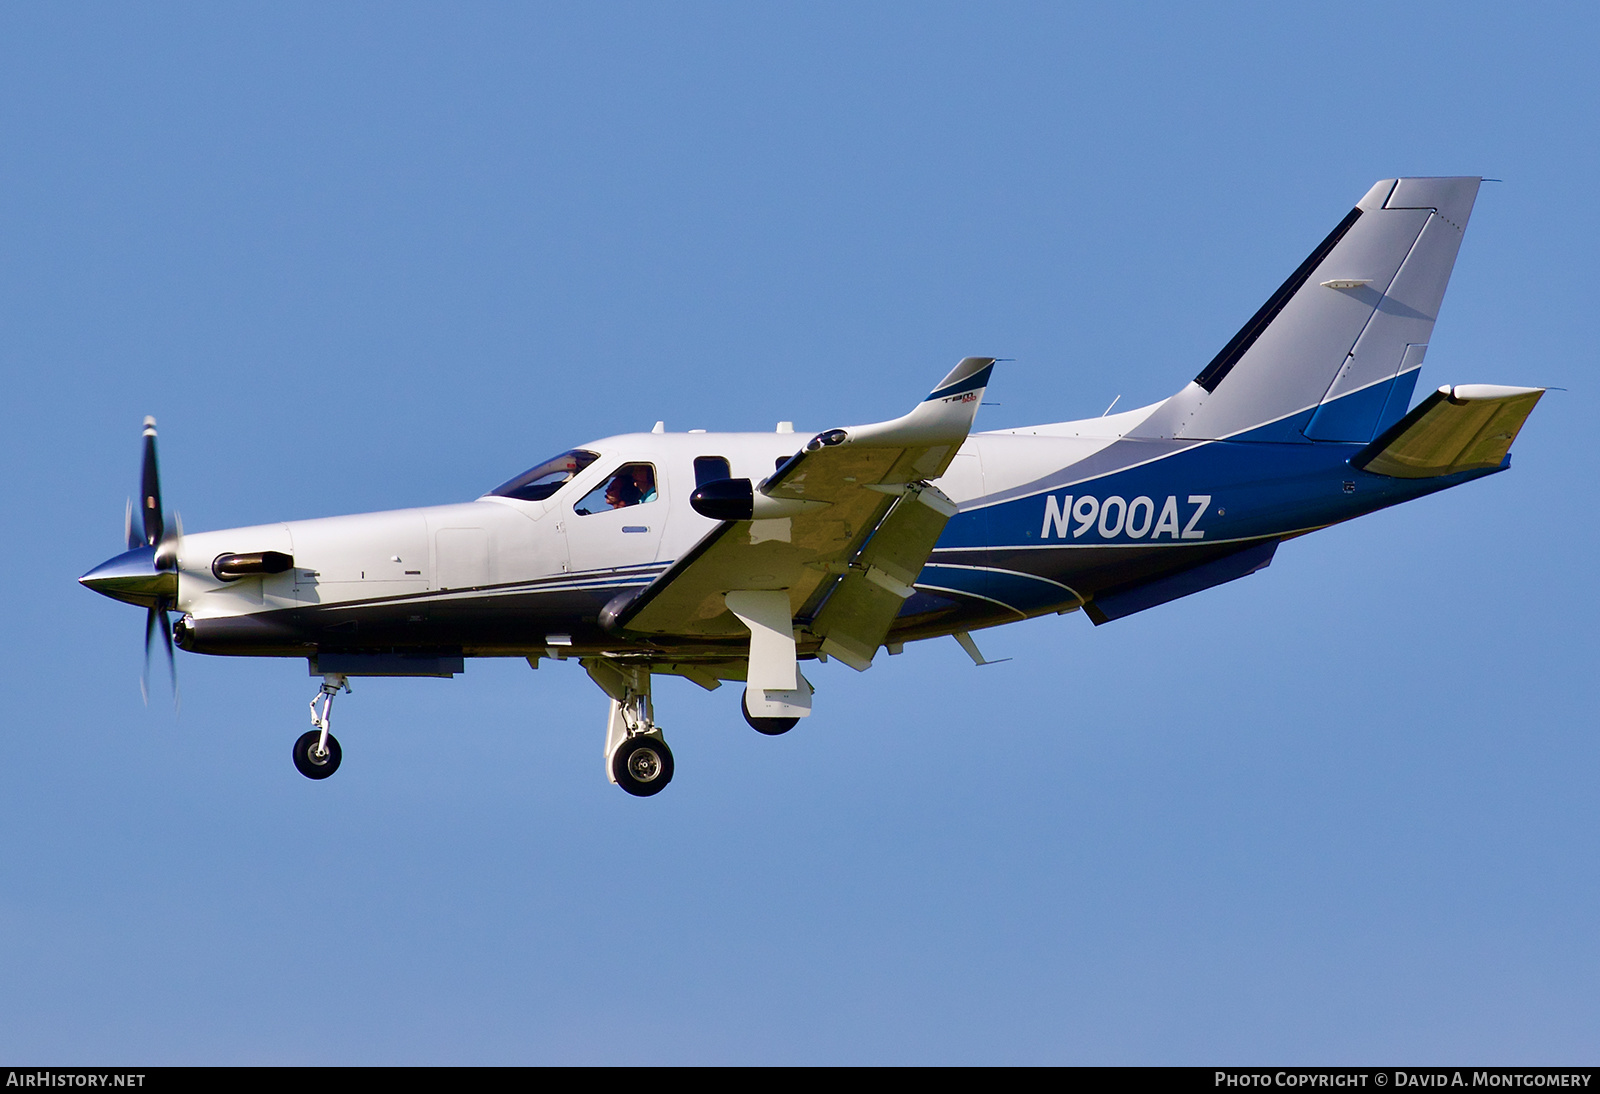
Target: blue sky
{"points": [[389, 255]]}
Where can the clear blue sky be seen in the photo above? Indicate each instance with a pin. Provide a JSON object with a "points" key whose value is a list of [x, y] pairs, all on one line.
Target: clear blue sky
{"points": [[388, 255]]}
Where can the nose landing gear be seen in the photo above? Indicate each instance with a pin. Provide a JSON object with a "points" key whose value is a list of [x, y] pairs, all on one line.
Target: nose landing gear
{"points": [[314, 764], [317, 752]]}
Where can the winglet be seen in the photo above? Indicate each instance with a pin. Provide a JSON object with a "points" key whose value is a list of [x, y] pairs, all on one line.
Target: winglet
{"points": [[944, 416], [972, 374]]}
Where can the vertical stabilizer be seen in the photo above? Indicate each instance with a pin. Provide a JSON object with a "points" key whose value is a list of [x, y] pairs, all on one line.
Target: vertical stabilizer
{"points": [[1327, 356]]}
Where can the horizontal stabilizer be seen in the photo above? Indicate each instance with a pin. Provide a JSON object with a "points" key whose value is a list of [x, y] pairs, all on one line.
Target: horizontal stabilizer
{"points": [[1463, 428]]}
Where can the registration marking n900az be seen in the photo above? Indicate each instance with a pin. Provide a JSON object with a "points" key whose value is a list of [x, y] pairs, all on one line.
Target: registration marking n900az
{"points": [[1118, 516]]}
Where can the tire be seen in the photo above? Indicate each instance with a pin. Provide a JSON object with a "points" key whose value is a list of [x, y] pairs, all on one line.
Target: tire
{"points": [[307, 764], [769, 726], [643, 765]]}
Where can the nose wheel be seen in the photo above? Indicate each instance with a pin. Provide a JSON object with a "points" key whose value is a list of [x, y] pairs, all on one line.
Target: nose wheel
{"points": [[314, 760], [642, 765]]}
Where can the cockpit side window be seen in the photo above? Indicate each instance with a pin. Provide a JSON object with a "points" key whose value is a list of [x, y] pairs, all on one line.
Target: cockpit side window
{"points": [[631, 484], [538, 483]]}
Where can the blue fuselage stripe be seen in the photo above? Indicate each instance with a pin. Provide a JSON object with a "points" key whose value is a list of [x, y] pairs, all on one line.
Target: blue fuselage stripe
{"points": [[1157, 516]]}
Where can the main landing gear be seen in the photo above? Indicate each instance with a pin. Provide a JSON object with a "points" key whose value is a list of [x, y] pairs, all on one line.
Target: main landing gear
{"points": [[642, 765], [637, 754], [637, 757], [317, 753]]}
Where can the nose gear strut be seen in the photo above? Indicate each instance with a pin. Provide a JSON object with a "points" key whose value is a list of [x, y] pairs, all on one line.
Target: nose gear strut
{"points": [[317, 752]]}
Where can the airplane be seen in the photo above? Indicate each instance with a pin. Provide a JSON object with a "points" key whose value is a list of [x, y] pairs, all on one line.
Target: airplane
{"points": [[740, 557]]}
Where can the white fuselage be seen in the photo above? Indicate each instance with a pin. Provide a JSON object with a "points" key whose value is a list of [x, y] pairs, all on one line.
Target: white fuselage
{"points": [[497, 541]]}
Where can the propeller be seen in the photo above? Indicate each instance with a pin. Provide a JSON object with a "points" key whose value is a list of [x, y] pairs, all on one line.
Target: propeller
{"points": [[146, 573], [153, 533]]}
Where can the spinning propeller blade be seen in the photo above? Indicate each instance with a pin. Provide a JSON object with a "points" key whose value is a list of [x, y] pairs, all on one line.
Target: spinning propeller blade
{"points": [[154, 534], [150, 488]]}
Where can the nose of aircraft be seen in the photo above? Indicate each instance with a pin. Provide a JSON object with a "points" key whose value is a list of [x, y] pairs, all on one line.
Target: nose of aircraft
{"points": [[134, 577]]}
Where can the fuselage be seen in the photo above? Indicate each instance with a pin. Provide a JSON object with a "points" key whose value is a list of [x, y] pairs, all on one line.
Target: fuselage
{"points": [[1050, 517]]}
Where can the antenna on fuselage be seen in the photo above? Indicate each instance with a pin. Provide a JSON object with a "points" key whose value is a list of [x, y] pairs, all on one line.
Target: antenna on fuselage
{"points": [[972, 649]]}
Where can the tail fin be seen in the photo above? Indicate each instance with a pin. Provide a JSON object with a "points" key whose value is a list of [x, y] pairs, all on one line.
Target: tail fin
{"points": [[1333, 354]]}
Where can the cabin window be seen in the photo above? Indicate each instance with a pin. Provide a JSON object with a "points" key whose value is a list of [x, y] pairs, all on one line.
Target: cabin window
{"points": [[710, 469], [538, 483], [631, 484]]}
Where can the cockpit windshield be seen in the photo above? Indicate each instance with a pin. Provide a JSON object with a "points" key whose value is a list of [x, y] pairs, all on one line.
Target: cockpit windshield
{"points": [[540, 482]]}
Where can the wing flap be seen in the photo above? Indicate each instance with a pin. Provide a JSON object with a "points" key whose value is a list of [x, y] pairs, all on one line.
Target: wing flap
{"points": [[859, 612], [1463, 428], [790, 553]]}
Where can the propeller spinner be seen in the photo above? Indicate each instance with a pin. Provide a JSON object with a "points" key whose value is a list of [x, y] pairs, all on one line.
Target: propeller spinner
{"points": [[147, 572]]}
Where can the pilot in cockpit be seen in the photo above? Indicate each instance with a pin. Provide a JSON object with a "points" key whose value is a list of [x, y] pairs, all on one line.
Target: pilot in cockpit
{"points": [[621, 491], [644, 481], [631, 484]]}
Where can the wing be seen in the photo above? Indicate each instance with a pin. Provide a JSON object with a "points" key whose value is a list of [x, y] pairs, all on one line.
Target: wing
{"points": [[843, 528]]}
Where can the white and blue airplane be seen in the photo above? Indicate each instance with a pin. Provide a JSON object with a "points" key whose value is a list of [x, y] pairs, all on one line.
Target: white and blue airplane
{"points": [[739, 556]]}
